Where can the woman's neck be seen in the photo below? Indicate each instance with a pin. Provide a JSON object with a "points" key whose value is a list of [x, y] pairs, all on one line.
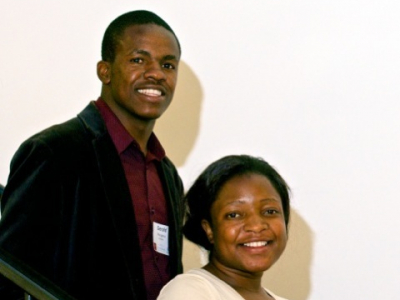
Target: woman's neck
{"points": [[248, 285]]}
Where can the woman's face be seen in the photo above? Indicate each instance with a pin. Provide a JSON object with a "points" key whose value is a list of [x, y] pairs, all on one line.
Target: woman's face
{"points": [[247, 229]]}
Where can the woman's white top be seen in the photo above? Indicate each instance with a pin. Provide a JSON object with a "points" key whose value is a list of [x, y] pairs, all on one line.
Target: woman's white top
{"points": [[199, 284]]}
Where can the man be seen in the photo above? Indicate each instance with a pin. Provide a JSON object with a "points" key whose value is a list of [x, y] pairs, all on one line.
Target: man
{"points": [[94, 204]]}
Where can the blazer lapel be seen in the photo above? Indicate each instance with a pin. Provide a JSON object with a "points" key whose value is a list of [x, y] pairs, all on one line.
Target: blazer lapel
{"points": [[175, 215], [117, 196]]}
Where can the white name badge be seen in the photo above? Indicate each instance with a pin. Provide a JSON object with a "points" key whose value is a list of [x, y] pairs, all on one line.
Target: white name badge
{"points": [[160, 238]]}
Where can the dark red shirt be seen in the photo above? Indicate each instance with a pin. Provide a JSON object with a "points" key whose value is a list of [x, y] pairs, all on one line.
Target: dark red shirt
{"points": [[147, 195]]}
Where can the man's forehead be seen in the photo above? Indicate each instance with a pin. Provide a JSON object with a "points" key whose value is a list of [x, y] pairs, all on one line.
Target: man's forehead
{"points": [[149, 33], [143, 30]]}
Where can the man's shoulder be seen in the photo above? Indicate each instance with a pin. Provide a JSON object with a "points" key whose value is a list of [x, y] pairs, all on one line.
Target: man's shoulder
{"points": [[59, 135], [168, 163], [170, 169], [72, 138], [71, 132]]}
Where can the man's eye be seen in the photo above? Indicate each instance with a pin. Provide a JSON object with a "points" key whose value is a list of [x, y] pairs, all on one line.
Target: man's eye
{"points": [[169, 66], [136, 60]]}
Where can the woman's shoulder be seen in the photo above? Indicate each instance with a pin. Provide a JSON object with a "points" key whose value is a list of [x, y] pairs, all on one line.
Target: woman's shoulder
{"points": [[197, 284], [191, 284], [276, 297]]}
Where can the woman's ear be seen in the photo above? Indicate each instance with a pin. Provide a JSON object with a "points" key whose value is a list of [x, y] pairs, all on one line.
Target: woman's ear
{"points": [[208, 230], [103, 71]]}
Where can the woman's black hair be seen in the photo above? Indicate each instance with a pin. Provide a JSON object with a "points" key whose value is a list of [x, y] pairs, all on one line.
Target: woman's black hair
{"points": [[205, 189]]}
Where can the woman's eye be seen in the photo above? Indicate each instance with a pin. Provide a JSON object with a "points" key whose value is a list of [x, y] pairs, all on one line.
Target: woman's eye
{"points": [[271, 212], [232, 215]]}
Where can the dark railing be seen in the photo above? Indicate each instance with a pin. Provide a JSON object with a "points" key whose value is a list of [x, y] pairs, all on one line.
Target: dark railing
{"points": [[30, 281]]}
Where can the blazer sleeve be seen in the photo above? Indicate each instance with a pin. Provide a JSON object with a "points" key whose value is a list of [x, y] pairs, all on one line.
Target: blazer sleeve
{"points": [[31, 208]]}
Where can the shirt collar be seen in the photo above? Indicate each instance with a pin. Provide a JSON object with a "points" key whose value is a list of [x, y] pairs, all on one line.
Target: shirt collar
{"points": [[121, 137]]}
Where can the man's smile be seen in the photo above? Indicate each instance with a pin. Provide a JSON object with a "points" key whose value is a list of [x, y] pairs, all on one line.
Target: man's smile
{"points": [[150, 92]]}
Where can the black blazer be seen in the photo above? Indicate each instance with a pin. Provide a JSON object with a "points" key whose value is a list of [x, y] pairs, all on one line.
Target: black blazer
{"points": [[67, 212]]}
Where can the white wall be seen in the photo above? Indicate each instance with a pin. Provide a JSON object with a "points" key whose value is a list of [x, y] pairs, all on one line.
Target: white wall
{"points": [[311, 86]]}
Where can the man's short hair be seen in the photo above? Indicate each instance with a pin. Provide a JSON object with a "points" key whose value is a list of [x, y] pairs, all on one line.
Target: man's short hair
{"points": [[117, 28]]}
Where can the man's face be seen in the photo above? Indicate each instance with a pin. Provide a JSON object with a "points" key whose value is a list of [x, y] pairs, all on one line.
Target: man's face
{"points": [[143, 76]]}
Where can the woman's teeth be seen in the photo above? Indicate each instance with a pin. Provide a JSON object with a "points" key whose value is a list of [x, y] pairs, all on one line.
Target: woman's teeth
{"points": [[256, 244]]}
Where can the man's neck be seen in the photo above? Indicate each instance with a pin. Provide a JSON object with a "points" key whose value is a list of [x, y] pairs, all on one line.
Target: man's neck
{"points": [[139, 129], [140, 133]]}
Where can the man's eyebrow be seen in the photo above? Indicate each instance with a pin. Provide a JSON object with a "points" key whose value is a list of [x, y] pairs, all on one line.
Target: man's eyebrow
{"points": [[141, 51], [170, 57], [147, 53]]}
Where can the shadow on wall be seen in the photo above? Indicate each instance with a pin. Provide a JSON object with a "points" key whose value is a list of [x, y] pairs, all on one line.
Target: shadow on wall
{"points": [[290, 276], [178, 128]]}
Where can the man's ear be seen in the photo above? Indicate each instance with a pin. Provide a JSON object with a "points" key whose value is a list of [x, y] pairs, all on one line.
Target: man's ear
{"points": [[103, 71], [208, 230]]}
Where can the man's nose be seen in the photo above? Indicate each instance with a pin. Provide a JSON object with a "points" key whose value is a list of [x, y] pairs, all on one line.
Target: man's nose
{"points": [[154, 71]]}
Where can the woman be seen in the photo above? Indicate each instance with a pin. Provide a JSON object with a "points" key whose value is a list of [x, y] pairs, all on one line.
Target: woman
{"points": [[238, 209]]}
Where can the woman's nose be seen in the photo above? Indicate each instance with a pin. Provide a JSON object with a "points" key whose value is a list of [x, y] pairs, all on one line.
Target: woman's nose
{"points": [[255, 223]]}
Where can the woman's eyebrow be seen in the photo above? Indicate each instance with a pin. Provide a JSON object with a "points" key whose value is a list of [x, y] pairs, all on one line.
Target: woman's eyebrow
{"points": [[273, 199]]}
